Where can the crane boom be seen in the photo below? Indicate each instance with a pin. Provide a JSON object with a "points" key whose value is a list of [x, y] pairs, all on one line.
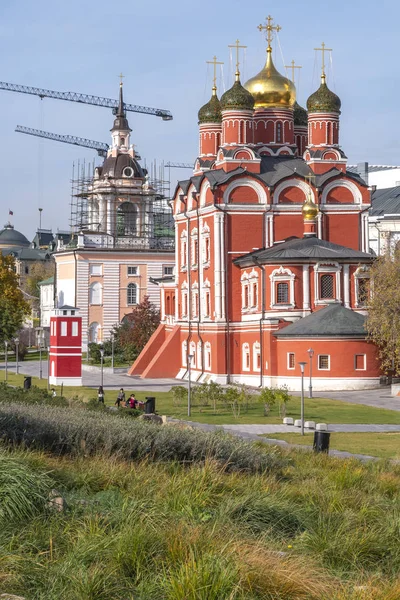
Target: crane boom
{"points": [[100, 147], [179, 165], [84, 99]]}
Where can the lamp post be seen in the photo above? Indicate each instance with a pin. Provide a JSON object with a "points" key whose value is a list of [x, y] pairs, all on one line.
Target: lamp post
{"points": [[112, 351], [40, 340], [302, 365], [48, 367], [190, 357], [101, 347], [16, 341], [310, 354], [6, 360]]}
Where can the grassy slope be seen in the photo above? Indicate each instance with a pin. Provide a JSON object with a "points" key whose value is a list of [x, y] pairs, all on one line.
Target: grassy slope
{"points": [[153, 532], [316, 409], [383, 445]]}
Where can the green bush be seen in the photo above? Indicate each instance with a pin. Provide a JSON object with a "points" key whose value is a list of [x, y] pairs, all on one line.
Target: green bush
{"points": [[34, 395], [67, 431]]}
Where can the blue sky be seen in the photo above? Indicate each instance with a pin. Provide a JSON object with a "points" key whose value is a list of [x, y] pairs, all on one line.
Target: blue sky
{"points": [[161, 47]]}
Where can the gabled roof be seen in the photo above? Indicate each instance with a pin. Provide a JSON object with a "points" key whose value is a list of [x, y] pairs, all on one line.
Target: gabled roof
{"points": [[309, 249], [332, 321], [385, 202]]}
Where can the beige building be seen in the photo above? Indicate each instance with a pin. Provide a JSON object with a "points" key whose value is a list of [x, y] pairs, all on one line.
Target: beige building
{"points": [[124, 240]]}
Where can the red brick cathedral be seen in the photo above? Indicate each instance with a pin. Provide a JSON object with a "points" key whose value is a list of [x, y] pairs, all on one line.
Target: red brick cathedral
{"points": [[271, 247]]}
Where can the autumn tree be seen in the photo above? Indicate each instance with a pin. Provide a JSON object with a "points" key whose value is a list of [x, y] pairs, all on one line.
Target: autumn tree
{"points": [[13, 308], [383, 321], [38, 271], [137, 327]]}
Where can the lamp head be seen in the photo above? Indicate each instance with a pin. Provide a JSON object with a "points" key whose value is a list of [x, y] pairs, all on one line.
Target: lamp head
{"points": [[302, 365], [310, 352]]}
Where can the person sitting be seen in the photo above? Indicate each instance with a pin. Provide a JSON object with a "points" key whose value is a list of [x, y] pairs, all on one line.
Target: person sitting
{"points": [[132, 401]]}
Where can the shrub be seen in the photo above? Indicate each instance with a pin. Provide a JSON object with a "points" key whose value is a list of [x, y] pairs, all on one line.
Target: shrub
{"points": [[67, 431]]}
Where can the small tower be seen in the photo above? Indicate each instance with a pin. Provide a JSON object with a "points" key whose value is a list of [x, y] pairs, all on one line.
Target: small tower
{"points": [[210, 118], [274, 97], [120, 132], [323, 152], [65, 346], [237, 111]]}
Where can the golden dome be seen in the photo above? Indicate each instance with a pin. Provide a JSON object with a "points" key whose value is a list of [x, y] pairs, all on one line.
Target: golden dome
{"points": [[269, 88], [310, 209]]}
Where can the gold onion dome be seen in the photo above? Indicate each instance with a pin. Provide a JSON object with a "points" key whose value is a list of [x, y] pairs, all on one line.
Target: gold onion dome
{"points": [[211, 112], [310, 209], [237, 97], [300, 115], [271, 89], [323, 100]]}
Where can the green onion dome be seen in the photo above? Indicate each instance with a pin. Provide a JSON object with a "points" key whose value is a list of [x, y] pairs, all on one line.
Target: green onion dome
{"points": [[300, 115], [323, 100], [237, 97], [211, 112]]}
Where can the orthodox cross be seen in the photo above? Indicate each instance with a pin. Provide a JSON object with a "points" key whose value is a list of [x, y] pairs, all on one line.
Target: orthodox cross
{"points": [[237, 46], [121, 77], [293, 67], [215, 63], [323, 49], [269, 28]]}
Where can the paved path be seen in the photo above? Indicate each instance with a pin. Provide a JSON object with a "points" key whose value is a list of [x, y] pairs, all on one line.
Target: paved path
{"points": [[343, 428]]}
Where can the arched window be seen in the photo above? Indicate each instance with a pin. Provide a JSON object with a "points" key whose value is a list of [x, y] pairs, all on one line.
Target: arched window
{"points": [[207, 356], [279, 132], [246, 357], [126, 219], [256, 356], [192, 353], [131, 294], [326, 287], [95, 293], [94, 329]]}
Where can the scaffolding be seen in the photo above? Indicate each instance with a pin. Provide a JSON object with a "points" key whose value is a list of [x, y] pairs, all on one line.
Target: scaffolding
{"points": [[138, 218]]}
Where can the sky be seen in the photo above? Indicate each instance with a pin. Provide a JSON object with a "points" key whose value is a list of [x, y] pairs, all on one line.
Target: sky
{"points": [[162, 48]]}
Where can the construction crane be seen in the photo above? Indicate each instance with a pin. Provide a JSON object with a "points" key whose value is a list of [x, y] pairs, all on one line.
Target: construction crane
{"points": [[85, 99], [179, 165], [100, 147]]}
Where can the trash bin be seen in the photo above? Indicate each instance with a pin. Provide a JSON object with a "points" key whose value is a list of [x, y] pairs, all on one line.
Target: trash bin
{"points": [[150, 405], [27, 382], [321, 441]]}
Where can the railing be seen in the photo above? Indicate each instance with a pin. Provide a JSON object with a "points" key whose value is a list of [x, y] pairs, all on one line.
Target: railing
{"points": [[100, 240]]}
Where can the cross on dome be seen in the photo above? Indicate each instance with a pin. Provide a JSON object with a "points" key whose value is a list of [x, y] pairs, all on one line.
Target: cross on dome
{"points": [[214, 62], [269, 28], [237, 46], [323, 49]]}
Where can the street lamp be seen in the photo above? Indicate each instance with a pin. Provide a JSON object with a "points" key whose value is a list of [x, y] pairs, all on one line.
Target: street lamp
{"points": [[101, 348], [6, 360], [16, 341], [112, 351], [302, 365], [40, 340], [48, 366], [190, 358], [310, 354]]}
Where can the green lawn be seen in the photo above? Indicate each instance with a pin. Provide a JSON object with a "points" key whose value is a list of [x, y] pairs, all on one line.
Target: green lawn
{"points": [[316, 409], [382, 445]]}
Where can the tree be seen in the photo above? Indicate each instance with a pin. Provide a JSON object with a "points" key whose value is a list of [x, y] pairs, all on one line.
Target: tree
{"points": [[137, 327], [383, 321], [13, 308], [38, 271]]}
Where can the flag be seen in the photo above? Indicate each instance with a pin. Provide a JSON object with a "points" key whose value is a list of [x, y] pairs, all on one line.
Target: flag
{"points": [[10, 212]]}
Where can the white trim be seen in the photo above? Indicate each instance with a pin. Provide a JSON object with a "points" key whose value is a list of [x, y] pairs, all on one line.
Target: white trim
{"points": [[329, 362], [297, 183], [72, 381], [246, 182], [288, 361], [327, 268], [364, 368], [246, 357], [342, 183], [282, 275]]}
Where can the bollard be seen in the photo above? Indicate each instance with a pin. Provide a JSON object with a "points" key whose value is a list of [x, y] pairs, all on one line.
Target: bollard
{"points": [[321, 441]]}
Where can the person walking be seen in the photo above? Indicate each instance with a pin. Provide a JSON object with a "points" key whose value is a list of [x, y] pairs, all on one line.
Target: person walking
{"points": [[120, 397], [100, 394]]}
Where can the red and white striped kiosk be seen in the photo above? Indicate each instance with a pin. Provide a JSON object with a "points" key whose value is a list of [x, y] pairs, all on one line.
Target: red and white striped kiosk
{"points": [[65, 362]]}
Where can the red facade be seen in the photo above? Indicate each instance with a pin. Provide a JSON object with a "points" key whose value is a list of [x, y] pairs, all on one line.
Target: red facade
{"points": [[66, 346]]}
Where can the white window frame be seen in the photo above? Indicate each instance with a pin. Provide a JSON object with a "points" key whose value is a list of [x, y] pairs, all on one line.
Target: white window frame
{"points": [[184, 250], [329, 362], [256, 354], [135, 272], [205, 243], [282, 275], [93, 267], [246, 357], [327, 268], [206, 293], [63, 329], [195, 300], [207, 356], [193, 254], [169, 267], [184, 300], [184, 353], [132, 286], [364, 368], [75, 329], [192, 351], [289, 354], [361, 273], [96, 288]]}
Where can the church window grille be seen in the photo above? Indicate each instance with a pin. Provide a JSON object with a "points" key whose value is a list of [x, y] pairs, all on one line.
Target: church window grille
{"points": [[362, 291], [282, 293], [131, 294], [279, 132], [326, 287], [324, 362], [290, 360]]}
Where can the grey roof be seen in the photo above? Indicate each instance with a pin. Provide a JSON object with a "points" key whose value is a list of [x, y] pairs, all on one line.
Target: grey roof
{"points": [[113, 166], [332, 321], [308, 249], [26, 253], [374, 168], [385, 202], [11, 236], [66, 307]]}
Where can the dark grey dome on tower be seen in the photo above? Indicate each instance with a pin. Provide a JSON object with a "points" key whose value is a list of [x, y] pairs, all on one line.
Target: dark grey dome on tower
{"points": [[122, 165], [300, 115], [120, 121], [323, 100], [211, 112], [237, 98], [10, 237]]}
